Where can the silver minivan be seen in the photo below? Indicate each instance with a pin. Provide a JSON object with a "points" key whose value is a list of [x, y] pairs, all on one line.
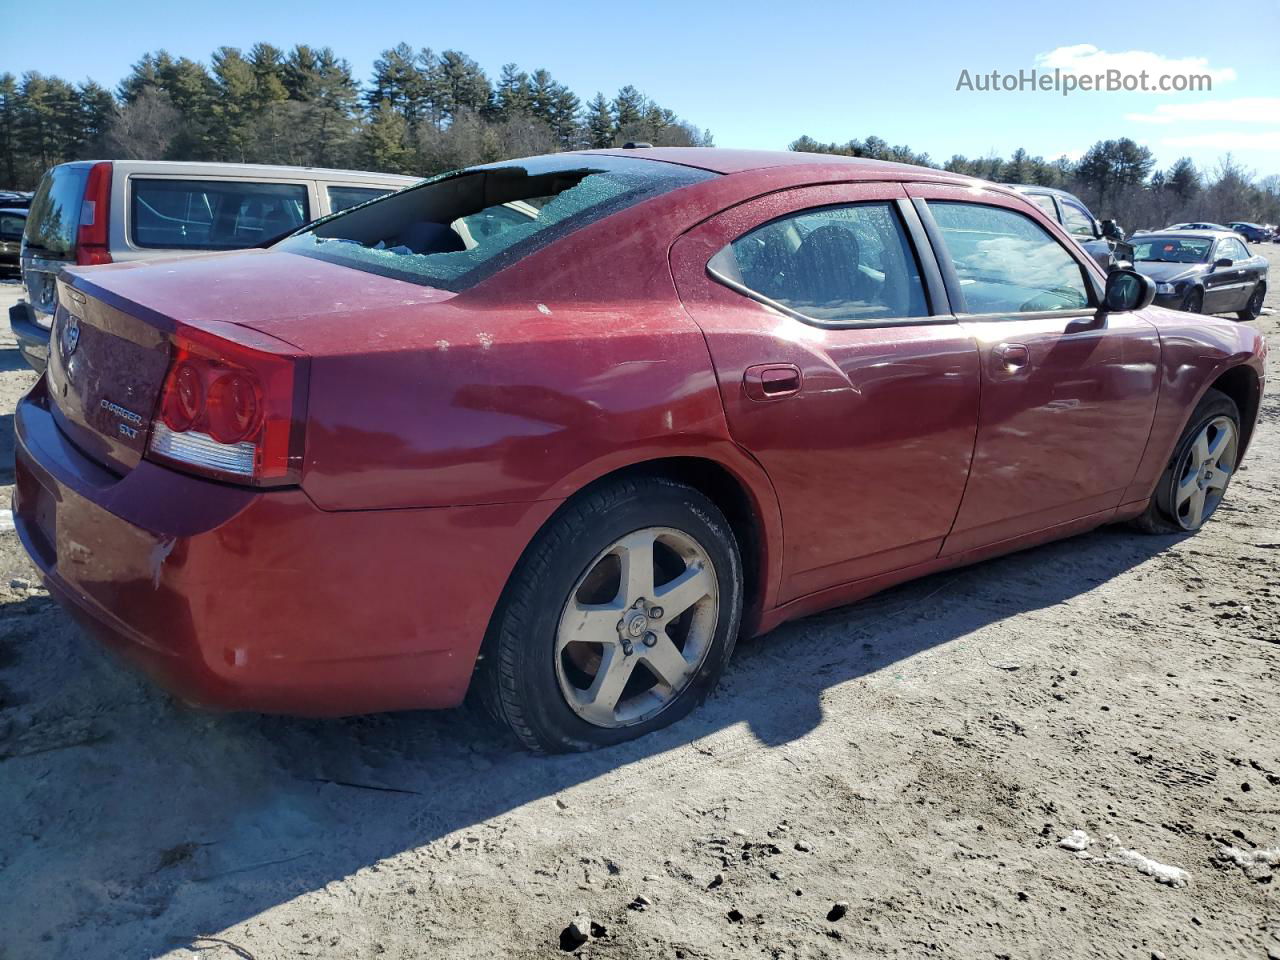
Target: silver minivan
{"points": [[111, 211]]}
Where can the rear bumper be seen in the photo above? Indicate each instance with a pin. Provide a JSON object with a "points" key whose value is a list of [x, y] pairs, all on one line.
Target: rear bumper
{"points": [[246, 600], [33, 339]]}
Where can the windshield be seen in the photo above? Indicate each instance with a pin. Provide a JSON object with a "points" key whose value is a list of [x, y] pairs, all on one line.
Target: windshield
{"points": [[55, 211], [1172, 249], [455, 230]]}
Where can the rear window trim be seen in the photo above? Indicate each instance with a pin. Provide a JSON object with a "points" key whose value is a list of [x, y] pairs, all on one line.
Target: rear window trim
{"points": [[510, 255]]}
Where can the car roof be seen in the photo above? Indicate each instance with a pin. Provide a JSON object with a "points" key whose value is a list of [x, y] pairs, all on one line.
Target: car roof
{"points": [[727, 161], [1193, 234], [1036, 188], [248, 169]]}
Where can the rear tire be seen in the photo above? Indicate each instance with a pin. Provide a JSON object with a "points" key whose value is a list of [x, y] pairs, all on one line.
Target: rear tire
{"points": [[573, 661], [1195, 481], [1253, 309]]}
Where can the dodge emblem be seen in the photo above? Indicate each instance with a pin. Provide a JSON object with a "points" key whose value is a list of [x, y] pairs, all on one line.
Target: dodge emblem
{"points": [[70, 336]]}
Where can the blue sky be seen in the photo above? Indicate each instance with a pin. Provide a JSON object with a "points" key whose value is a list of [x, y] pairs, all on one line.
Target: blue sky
{"points": [[760, 74]]}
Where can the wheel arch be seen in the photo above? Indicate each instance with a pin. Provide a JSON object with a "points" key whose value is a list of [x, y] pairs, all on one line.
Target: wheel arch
{"points": [[743, 493], [1242, 385]]}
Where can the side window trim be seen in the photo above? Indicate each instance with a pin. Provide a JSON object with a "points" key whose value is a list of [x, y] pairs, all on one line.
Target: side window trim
{"points": [[935, 290], [952, 280]]}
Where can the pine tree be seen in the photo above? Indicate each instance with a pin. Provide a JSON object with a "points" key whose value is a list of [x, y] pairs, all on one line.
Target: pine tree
{"points": [[267, 64], [1183, 179], [462, 85], [383, 144], [564, 118], [629, 108], [234, 106], [9, 147], [399, 78], [543, 91], [512, 96], [599, 123], [98, 110]]}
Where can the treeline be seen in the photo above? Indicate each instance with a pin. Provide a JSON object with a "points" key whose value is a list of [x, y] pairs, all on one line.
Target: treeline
{"points": [[420, 113], [1115, 178]]}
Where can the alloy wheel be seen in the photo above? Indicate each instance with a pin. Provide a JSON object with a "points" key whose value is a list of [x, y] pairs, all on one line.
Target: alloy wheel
{"points": [[1202, 477], [1255, 302], [637, 627]]}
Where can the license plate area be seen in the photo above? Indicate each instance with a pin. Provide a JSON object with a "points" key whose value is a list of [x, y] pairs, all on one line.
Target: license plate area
{"points": [[38, 504]]}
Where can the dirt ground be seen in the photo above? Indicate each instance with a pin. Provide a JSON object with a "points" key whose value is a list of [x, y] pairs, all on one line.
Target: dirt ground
{"points": [[917, 758]]}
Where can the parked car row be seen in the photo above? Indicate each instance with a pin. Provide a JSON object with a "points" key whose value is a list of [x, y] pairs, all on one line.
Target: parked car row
{"points": [[1203, 271], [547, 419], [1254, 232], [116, 211]]}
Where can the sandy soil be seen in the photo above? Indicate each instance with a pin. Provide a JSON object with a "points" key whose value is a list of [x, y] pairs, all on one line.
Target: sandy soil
{"points": [[917, 757]]}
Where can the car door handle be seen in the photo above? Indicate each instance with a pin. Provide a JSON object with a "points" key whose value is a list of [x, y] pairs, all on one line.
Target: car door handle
{"points": [[771, 381], [1012, 356]]}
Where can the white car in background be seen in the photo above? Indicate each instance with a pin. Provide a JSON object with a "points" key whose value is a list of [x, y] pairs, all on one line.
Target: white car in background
{"points": [[109, 211]]}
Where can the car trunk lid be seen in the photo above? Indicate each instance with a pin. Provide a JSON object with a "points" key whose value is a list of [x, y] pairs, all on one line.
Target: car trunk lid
{"points": [[106, 368], [111, 344]]}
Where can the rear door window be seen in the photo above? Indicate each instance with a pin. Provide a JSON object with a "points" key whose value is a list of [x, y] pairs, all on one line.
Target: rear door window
{"points": [[1006, 262], [54, 216], [1045, 203], [340, 198], [1076, 220], [212, 214], [832, 264]]}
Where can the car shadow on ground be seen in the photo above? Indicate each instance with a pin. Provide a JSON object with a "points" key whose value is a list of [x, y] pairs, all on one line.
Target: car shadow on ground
{"points": [[260, 810]]}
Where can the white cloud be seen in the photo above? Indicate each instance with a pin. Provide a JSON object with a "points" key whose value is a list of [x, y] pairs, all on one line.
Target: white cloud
{"points": [[1264, 111], [1086, 58], [1267, 141]]}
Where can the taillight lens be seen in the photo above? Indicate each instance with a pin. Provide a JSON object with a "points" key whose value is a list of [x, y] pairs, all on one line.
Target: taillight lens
{"points": [[231, 410], [92, 242]]}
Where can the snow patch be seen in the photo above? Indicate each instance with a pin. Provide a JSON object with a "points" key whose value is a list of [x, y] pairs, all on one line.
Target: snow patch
{"points": [[1079, 842], [1075, 840], [1160, 872], [1251, 858], [6, 519]]}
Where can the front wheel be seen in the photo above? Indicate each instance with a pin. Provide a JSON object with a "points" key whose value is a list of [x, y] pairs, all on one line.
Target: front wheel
{"points": [[1195, 482], [618, 621], [1253, 309], [1194, 303]]}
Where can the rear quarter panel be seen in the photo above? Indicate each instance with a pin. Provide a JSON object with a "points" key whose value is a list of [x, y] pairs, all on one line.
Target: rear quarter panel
{"points": [[501, 404], [1195, 351]]}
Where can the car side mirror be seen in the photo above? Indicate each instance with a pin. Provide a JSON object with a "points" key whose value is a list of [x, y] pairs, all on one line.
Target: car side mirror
{"points": [[1111, 230], [1128, 290], [1224, 262]]}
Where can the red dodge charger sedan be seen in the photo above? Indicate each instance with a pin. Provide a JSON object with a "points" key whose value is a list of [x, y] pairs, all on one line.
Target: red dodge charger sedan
{"points": [[561, 429]]}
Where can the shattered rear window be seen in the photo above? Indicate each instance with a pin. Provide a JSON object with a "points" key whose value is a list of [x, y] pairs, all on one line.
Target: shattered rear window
{"points": [[455, 230]]}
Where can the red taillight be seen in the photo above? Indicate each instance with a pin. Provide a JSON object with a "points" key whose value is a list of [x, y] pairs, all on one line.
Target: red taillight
{"points": [[92, 242], [231, 409]]}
